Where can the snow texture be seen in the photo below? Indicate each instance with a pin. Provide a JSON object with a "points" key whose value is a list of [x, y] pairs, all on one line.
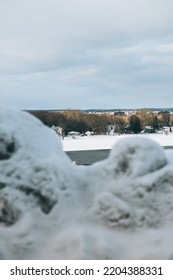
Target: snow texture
{"points": [[52, 209]]}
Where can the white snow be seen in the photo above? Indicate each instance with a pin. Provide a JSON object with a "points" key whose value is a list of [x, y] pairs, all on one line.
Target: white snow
{"points": [[99, 142], [118, 208]]}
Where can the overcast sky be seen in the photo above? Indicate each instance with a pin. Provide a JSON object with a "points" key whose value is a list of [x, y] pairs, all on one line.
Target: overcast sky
{"points": [[68, 54]]}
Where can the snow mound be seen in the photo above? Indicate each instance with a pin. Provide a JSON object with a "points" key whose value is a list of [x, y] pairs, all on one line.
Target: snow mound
{"points": [[137, 157], [51, 209]]}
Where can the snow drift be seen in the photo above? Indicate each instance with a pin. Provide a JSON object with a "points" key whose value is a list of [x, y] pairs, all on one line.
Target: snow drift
{"points": [[119, 208]]}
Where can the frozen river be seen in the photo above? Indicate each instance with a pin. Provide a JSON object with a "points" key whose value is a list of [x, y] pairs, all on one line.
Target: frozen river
{"points": [[89, 149]]}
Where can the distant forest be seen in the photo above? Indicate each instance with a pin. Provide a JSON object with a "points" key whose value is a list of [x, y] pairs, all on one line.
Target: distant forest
{"points": [[124, 122]]}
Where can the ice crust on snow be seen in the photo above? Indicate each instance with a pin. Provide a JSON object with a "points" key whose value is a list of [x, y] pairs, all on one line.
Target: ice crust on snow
{"points": [[51, 209]]}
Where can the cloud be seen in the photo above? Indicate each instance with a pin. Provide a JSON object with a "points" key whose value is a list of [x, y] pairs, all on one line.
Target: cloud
{"points": [[77, 52]]}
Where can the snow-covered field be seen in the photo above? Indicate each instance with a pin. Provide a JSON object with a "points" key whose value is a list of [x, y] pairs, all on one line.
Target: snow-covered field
{"points": [[107, 141], [119, 208]]}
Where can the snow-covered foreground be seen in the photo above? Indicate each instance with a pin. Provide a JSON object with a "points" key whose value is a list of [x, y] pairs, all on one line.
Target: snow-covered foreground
{"points": [[107, 141], [120, 208]]}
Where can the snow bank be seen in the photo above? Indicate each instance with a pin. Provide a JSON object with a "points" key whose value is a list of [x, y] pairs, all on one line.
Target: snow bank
{"points": [[51, 209]]}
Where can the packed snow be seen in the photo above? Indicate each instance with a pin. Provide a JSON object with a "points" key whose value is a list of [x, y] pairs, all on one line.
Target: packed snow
{"points": [[118, 208]]}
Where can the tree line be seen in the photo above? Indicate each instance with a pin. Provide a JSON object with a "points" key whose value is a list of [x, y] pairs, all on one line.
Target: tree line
{"points": [[76, 120]]}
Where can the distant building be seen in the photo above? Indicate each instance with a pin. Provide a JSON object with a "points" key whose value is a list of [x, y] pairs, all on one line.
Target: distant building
{"points": [[119, 113], [58, 130], [88, 133], [111, 129], [148, 129], [73, 133]]}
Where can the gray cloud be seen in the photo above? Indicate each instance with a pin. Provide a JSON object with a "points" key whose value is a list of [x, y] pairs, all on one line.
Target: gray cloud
{"points": [[83, 54]]}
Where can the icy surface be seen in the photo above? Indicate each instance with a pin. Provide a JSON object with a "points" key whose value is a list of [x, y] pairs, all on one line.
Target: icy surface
{"points": [[52, 209], [101, 142]]}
